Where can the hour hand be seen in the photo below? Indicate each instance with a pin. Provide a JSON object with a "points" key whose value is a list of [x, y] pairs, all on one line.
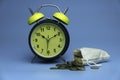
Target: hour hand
{"points": [[42, 36]]}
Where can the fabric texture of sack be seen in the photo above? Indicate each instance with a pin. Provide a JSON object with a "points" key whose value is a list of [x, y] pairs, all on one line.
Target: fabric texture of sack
{"points": [[92, 56]]}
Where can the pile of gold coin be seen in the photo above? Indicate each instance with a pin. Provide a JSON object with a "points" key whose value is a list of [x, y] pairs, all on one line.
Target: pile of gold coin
{"points": [[75, 65]]}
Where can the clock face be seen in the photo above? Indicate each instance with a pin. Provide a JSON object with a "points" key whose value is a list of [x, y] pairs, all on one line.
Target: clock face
{"points": [[49, 39]]}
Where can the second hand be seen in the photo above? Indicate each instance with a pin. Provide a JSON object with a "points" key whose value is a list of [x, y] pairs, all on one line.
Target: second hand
{"points": [[47, 39]]}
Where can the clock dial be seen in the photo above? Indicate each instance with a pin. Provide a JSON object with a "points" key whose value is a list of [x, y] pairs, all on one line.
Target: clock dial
{"points": [[48, 40]]}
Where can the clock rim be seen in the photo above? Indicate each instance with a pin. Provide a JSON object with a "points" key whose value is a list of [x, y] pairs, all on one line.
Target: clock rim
{"points": [[67, 37]]}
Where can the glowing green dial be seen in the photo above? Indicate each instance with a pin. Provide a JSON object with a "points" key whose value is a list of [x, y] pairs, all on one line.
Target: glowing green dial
{"points": [[48, 39]]}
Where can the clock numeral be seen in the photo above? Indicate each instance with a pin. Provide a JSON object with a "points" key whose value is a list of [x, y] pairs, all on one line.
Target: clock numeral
{"points": [[42, 29], [54, 50], [59, 46], [48, 52], [59, 33], [38, 46], [54, 29], [60, 39], [37, 34], [36, 40], [48, 27], [41, 50]]}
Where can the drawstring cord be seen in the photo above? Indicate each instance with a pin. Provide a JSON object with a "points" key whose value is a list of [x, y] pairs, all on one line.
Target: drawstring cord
{"points": [[93, 65]]}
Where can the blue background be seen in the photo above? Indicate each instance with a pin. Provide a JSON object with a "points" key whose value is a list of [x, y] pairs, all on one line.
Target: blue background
{"points": [[93, 23]]}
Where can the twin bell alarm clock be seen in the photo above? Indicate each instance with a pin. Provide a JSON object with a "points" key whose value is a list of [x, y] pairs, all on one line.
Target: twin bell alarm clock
{"points": [[48, 39]]}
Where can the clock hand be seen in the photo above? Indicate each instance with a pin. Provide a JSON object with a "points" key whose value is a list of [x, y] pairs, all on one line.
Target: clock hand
{"points": [[52, 36], [47, 40], [43, 36]]}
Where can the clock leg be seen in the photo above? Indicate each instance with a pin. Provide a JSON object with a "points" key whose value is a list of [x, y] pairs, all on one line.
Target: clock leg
{"points": [[62, 59], [33, 59]]}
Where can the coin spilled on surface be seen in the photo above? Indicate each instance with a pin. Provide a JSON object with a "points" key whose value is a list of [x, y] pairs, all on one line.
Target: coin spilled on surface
{"points": [[75, 65]]}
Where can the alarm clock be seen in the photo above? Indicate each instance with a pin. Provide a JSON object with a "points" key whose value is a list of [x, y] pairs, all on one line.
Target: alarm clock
{"points": [[48, 39]]}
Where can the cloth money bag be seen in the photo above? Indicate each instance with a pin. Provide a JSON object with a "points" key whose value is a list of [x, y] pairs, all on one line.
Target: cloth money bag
{"points": [[92, 56]]}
